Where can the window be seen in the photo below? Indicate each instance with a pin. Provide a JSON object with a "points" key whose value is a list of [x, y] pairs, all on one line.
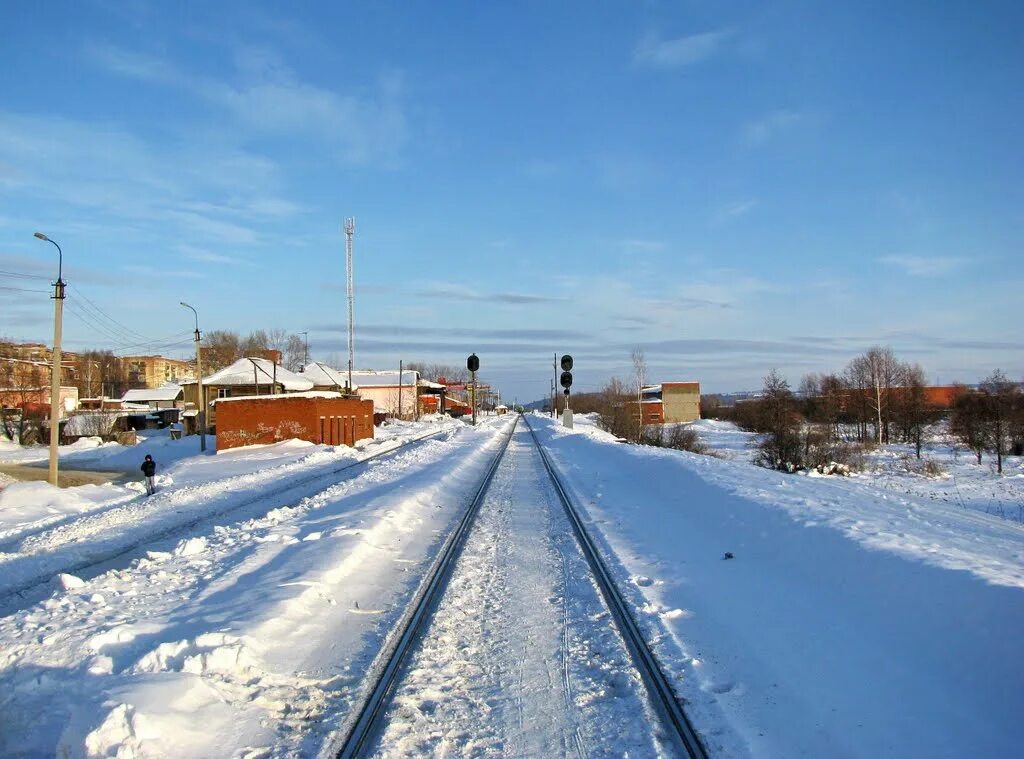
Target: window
{"points": [[222, 392]]}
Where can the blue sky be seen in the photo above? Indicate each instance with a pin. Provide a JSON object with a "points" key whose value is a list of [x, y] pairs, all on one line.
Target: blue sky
{"points": [[730, 186]]}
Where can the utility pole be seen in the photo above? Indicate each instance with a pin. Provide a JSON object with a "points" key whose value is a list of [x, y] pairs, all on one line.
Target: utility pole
{"points": [[305, 348], [554, 381], [199, 382], [58, 315], [400, 388], [350, 230]]}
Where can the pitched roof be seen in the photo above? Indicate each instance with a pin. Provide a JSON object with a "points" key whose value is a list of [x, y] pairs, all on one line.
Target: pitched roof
{"points": [[324, 376], [384, 378], [168, 392], [257, 371]]}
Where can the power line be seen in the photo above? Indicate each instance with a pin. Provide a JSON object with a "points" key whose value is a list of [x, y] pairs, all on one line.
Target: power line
{"points": [[127, 330], [21, 275], [22, 289]]}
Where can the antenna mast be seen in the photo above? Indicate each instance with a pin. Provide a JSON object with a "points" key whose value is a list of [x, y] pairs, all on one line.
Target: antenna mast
{"points": [[350, 230]]}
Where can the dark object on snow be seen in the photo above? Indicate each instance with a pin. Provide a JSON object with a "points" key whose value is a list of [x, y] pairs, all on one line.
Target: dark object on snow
{"points": [[149, 469], [728, 555]]}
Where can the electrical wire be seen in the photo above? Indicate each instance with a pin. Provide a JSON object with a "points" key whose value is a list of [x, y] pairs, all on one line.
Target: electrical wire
{"points": [[121, 327], [22, 289], [21, 275]]}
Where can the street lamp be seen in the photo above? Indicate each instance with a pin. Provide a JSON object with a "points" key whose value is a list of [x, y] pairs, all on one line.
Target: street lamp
{"points": [[58, 315], [199, 380]]}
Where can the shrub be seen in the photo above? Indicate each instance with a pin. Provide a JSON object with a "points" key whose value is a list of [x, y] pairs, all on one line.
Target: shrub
{"points": [[685, 439]]}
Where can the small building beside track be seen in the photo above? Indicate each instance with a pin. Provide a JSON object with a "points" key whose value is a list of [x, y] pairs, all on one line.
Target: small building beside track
{"points": [[315, 416]]}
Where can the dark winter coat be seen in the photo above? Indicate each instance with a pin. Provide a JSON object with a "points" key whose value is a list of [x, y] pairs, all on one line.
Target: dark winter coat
{"points": [[148, 467]]}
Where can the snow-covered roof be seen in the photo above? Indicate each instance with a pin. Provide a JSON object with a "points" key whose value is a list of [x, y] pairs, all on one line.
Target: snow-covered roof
{"points": [[257, 371], [168, 392], [383, 378], [431, 385], [289, 396], [93, 423], [324, 376]]}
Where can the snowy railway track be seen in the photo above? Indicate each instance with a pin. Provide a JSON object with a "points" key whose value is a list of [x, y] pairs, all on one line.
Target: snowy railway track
{"points": [[658, 686], [362, 731], [38, 568]]}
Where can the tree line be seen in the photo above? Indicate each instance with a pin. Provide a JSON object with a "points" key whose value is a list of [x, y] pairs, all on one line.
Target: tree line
{"points": [[876, 399]]}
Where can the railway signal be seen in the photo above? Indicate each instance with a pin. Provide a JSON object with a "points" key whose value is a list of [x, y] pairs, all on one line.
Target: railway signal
{"points": [[565, 380], [473, 363]]}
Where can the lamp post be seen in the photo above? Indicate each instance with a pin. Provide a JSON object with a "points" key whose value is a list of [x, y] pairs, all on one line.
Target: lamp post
{"points": [[58, 315], [199, 382]]}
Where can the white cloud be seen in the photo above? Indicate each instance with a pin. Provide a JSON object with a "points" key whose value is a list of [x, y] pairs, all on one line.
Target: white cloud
{"points": [[735, 209], [654, 52], [924, 266], [267, 97], [643, 246], [762, 130]]}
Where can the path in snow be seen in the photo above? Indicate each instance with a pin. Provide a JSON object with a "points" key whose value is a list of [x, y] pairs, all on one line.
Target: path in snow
{"points": [[521, 657]]}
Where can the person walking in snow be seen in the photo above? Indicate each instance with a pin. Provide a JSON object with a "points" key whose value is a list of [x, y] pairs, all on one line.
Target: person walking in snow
{"points": [[149, 470]]}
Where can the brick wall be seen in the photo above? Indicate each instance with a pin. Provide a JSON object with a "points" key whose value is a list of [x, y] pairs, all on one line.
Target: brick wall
{"points": [[334, 421]]}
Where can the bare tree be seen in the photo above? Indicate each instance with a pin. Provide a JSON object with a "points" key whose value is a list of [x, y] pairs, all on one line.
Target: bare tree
{"points": [[436, 372], [999, 399], [872, 378], [781, 447], [222, 348], [294, 353], [640, 377], [911, 410], [614, 410], [967, 421]]}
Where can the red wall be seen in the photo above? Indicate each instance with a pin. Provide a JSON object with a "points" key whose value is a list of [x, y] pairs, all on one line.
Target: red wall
{"points": [[334, 421]]}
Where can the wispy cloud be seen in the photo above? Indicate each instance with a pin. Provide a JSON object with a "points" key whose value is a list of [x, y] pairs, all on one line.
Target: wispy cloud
{"points": [[924, 266], [267, 97], [643, 246], [735, 209], [654, 52], [398, 330], [773, 124], [199, 191], [460, 292], [206, 256]]}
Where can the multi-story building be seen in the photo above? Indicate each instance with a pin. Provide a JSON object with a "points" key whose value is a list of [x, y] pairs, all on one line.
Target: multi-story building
{"points": [[671, 402], [154, 371]]}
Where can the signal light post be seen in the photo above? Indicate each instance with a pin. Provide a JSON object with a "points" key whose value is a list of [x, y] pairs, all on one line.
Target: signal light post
{"points": [[473, 363], [565, 380]]}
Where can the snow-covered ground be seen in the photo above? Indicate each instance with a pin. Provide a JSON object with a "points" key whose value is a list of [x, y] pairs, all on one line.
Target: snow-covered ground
{"points": [[860, 616], [955, 478], [850, 621]]}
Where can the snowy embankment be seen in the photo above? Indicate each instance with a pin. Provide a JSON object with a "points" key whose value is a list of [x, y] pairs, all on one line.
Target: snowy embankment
{"points": [[248, 638], [848, 622], [46, 530]]}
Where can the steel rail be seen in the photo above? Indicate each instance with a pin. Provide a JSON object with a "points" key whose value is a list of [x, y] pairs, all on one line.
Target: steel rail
{"points": [[413, 624], [7, 595], [658, 686]]}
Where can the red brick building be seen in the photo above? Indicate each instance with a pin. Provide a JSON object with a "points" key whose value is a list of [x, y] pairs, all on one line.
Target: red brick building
{"points": [[318, 417]]}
